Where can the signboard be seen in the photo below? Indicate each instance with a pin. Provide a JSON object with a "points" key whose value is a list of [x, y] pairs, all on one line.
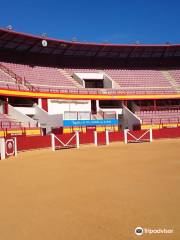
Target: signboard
{"points": [[100, 122]]}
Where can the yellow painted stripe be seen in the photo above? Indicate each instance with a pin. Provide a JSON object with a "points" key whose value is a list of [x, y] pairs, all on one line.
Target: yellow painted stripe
{"points": [[84, 96], [2, 133], [15, 131], [33, 132], [159, 126]]}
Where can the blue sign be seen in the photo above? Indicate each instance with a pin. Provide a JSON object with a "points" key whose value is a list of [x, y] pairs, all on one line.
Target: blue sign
{"points": [[77, 123]]}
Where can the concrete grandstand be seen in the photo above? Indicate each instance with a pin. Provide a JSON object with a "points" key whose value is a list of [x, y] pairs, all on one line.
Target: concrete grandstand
{"points": [[69, 86]]}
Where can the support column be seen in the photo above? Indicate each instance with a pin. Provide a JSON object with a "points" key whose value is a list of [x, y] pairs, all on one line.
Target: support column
{"points": [[125, 135], [77, 139], [150, 133], [155, 106], [6, 106], [107, 137], [40, 102], [95, 138], [53, 142], [44, 104]]}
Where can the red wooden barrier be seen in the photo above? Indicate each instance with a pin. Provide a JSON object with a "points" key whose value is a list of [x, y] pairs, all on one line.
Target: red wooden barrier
{"points": [[65, 138], [28, 143], [166, 133], [101, 138], [86, 138], [116, 136], [36, 142]]}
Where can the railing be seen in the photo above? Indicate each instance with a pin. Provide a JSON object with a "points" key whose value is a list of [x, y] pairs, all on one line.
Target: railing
{"points": [[14, 125], [30, 86], [85, 91], [158, 108], [12, 74], [19, 80], [108, 115], [74, 115], [156, 121]]}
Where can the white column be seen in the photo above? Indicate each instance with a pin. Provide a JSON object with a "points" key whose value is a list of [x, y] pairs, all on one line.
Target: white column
{"points": [[150, 133], [95, 138], [97, 105], [125, 135], [77, 139], [107, 137], [53, 142], [40, 102], [2, 148]]}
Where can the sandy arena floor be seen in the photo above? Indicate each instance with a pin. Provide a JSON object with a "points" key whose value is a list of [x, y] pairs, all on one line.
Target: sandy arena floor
{"points": [[92, 193]]}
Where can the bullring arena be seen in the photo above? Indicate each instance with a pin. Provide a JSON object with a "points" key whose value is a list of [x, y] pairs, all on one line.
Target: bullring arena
{"points": [[91, 193], [89, 139]]}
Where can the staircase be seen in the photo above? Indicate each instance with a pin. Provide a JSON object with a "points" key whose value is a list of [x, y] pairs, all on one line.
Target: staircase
{"points": [[17, 116], [171, 80], [68, 76], [47, 120]]}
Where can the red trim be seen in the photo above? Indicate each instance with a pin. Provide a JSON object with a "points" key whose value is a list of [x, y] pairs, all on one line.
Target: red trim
{"points": [[45, 104]]}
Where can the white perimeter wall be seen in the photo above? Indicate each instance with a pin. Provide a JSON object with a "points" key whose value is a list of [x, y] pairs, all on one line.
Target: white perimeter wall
{"points": [[60, 106]]}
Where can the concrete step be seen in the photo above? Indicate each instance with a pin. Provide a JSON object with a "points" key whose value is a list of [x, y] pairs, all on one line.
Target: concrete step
{"points": [[171, 80], [66, 74]]}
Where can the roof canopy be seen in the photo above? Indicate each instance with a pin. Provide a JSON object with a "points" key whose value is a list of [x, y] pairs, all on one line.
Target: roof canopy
{"points": [[20, 42]]}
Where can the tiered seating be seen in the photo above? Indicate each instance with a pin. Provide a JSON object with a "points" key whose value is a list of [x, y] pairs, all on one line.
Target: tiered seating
{"points": [[134, 81], [7, 81], [176, 75], [127, 81], [139, 78], [159, 117], [5, 77], [41, 76], [7, 122]]}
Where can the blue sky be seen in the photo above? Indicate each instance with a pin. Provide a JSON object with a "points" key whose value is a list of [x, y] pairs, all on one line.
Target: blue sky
{"points": [[113, 21]]}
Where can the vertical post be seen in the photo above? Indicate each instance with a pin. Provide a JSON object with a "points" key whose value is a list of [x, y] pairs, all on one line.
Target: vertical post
{"points": [[53, 142], [40, 102], [2, 148], [6, 106], [77, 139], [155, 107], [107, 137], [150, 133], [95, 138], [15, 146], [125, 135]]}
